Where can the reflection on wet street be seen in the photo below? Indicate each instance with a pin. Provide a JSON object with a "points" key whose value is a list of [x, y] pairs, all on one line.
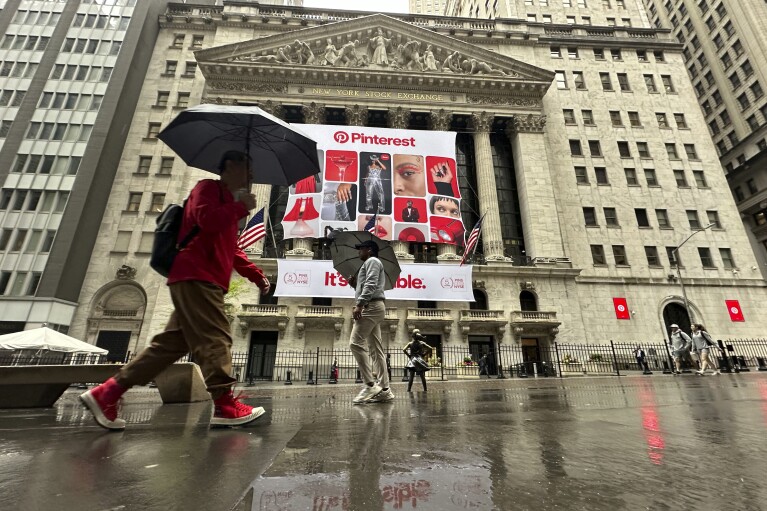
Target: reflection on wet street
{"points": [[574, 444]]}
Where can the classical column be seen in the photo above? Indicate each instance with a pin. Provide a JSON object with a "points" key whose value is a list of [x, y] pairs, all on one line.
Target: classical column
{"points": [[492, 236], [356, 115], [440, 120], [273, 108], [399, 118], [535, 185], [314, 113]]}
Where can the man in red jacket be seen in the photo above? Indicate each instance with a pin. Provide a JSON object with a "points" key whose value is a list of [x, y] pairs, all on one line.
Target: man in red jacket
{"points": [[198, 281]]}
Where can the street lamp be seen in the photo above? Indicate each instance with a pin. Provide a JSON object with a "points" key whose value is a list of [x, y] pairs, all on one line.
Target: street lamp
{"points": [[679, 272]]}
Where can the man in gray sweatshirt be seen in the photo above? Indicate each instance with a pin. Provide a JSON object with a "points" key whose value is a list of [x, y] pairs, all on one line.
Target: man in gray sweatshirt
{"points": [[369, 312], [680, 345]]}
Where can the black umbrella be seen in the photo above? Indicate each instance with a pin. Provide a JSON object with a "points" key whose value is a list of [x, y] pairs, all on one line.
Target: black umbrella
{"points": [[280, 154], [346, 258]]}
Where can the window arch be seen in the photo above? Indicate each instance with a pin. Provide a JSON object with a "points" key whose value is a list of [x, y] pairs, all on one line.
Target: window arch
{"points": [[528, 301], [480, 300]]}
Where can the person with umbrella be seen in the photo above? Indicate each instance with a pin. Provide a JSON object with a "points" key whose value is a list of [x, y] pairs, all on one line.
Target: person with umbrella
{"points": [[198, 280], [368, 313]]}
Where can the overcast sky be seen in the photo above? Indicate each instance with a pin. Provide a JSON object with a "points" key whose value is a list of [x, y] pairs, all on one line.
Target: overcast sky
{"points": [[357, 5]]}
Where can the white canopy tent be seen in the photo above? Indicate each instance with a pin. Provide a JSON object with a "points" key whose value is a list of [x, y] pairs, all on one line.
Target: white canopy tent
{"points": [[47, 339]]}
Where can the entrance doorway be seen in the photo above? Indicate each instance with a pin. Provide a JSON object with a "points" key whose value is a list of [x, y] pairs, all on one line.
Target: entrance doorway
{"points": [[531, 356], [261, 356], [675, 313], [481, 345], [435, 341], [116, 342]]}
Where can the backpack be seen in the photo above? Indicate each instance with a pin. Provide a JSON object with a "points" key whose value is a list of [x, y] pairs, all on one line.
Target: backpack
{"points": [[166, 246]]}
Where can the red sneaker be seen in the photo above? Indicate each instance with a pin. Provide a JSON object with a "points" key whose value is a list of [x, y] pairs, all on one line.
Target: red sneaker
{"points": [[103, 402], [229, 411]]}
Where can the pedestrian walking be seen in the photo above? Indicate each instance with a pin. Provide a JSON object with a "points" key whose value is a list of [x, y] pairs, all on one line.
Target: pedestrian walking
{"points": [[483, 365], [641, 358], [701, 344], [680, 346], [368, 314], [415, 351], [198, 280]]}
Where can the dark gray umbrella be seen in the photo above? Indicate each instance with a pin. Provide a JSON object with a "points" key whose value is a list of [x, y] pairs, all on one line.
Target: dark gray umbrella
{"points": [[280, 153], [346, 258]]}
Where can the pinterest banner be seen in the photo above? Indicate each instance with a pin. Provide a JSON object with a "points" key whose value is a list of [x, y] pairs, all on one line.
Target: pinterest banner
{"points": [[439, 282], [407, 179]]}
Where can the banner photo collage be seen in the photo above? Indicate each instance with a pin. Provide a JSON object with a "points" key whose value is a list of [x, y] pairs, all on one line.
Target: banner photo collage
{"points": [[407, 179]]}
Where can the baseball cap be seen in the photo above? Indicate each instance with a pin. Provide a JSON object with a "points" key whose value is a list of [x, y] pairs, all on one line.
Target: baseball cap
{"points": [[367, 244], [236, 156], [674, 326]]}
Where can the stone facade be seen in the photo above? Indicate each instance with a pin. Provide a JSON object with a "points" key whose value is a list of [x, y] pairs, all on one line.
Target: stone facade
{"points": [[507, 94]]}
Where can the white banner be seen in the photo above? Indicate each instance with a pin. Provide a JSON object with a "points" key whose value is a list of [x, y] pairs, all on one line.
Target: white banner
{"points": [[437, 282], [406, 179]]}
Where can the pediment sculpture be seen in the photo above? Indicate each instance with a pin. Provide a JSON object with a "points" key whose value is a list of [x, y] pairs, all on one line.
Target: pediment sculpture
{"points": [[383, 50]]}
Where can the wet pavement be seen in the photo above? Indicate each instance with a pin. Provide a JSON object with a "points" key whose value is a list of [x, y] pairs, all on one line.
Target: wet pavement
{"points": [[658, 443]]}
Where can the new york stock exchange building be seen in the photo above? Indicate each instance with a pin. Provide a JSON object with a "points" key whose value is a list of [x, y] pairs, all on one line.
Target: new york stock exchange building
{"points": [[584, 149]]}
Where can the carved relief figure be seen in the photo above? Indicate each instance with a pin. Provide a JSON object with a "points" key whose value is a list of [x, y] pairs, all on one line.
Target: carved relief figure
{"points": [[483, 68], [304, 52], [380, 44], [452, 63], [348, 54], [429, 62], [411, 56], [331, 54]]}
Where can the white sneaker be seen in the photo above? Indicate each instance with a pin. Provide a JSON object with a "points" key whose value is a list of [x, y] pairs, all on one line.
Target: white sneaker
{"points": [[715, 373], [382, 397], [366, 393]]}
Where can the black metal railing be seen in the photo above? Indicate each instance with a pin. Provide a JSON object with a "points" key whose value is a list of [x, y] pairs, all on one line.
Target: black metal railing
{"points": [[322, 366]]}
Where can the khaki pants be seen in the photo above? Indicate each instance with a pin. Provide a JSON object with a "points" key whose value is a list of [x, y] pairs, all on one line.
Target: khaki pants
{"points": [[199, 326], [366, 336]]}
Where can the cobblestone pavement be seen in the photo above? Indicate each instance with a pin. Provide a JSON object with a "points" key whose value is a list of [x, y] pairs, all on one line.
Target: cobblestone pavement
{"points": [[659, 443]]}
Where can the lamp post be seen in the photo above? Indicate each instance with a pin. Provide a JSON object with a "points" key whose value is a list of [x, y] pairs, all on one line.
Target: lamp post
{"points": [[679, 272]]}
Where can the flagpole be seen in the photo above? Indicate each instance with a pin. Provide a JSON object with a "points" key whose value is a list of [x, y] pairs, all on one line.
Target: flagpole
{"points": [[271, 230]]}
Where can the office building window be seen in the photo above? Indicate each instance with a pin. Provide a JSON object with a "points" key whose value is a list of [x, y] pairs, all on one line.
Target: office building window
{"points": [[615, 118], [575, 148], [713, 218], [651, 177], [653, 259], [581, 176], [641, 216], [590, 217], [672, 152], [569, 116], [692, 218], [144, 162], [158, 202], [727, 261], [619, 253], [631, 177], [588, 117], [611, 217], [662, 217], [649, 80], [681, 178], [700, 179], [134, 201], [601, 174], [595, 148], [166, 165], [705, 257], [692, 153], [606, 82], [598, 255]]}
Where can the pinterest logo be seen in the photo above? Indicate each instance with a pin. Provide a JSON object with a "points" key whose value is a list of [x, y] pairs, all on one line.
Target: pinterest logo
{"points": [[341, 137]]}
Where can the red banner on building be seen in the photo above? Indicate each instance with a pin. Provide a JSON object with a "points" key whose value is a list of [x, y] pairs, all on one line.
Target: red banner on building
{"points": [[736, 313], [621, 308]]}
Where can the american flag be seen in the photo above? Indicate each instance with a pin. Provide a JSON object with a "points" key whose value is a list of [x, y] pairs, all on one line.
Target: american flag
{"points": [[471, 244], [371, 225], [253, 232]]}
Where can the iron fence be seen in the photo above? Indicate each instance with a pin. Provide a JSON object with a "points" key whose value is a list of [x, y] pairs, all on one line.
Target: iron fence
{"points": [[323, 366]]}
